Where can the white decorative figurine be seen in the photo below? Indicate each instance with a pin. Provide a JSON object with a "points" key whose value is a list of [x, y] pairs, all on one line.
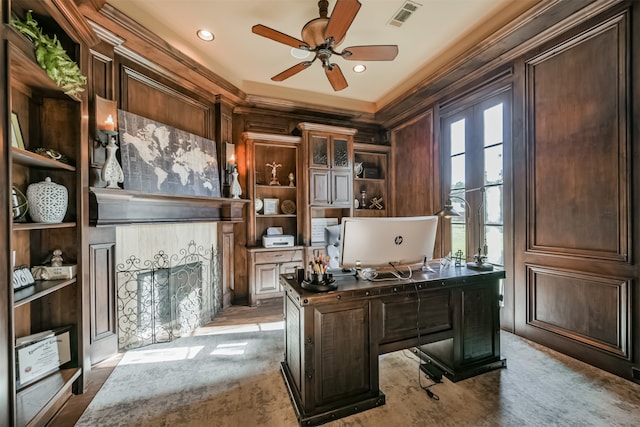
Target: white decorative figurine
{"points": [[292, 179], [236, 190], [56, 259], [274, 170], [111, 170]]}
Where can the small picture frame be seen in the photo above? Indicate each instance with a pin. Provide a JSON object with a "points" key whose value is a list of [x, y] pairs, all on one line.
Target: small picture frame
{"points": [[16, 132], [270, 206], [22, 277]]}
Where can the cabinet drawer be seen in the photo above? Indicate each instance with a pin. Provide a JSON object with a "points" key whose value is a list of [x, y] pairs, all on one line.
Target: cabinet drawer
{"points": [[279, 257]]}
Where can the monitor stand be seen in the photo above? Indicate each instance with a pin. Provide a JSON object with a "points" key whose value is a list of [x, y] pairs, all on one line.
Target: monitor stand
{"points": [[341, 272]]}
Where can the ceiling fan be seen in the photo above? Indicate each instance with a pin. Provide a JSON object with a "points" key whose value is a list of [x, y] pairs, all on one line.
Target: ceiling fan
{"points": [[322, 35]]}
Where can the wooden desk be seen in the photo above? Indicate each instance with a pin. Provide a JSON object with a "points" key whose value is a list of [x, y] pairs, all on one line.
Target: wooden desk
{"points": [[333, 339]]}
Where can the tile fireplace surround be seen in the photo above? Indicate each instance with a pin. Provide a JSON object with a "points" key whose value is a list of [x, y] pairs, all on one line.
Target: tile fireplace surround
{"points": [[168, 280]]}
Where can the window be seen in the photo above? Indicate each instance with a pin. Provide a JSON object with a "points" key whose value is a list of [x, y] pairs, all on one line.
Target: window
{"points": [[474, 139]]}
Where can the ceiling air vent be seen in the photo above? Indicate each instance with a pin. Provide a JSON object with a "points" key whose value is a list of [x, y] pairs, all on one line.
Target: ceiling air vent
{"points": [[406, 10]]}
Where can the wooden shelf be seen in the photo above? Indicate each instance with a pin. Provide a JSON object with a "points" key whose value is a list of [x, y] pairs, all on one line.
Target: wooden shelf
{"points": [[370, 212], [276, 216], [27, 158], [18, 226], [380, 180], [36, 403], [24, 68], [40, 289], [111, 206], [281, 187]]}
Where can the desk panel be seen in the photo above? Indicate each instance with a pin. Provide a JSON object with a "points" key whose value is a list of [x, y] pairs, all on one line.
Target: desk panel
{"points": [[400, 318]]}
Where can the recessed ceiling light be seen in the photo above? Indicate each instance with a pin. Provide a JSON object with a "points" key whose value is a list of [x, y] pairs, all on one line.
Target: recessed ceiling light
{"points": [[204, 35], [359, 68], [299, 53]]}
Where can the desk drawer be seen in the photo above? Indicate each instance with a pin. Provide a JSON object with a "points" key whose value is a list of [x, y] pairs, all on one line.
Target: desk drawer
{"points": [[278, 256], [399, 315]]}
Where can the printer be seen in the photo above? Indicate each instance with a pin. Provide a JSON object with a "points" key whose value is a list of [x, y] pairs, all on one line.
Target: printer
{"points": [[275, 239]]}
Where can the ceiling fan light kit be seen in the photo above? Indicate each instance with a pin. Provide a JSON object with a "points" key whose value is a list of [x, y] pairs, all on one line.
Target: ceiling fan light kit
{"points": [[321, 35]]}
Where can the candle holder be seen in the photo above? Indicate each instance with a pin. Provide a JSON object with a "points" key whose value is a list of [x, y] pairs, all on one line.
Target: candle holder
{"points": [[106, 120], [106, 136], [112, 173]]}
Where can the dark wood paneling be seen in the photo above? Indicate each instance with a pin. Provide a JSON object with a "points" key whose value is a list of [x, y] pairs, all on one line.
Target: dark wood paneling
{"points": [[341, 351], [578, 171], [6, 295], [293, 341], [479, 323], [575, 269], [226, 245], [104, 333], [414, 168], [100, 81], [400, 315], [147, 97], [101, 77], [588, 308]]}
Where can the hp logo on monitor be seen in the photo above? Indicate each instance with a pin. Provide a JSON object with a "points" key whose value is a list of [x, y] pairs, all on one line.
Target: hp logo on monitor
{"points": [[398, 240]]}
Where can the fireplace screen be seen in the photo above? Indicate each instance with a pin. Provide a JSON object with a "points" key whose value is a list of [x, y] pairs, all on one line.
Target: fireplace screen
{"points": [[166, 297]]}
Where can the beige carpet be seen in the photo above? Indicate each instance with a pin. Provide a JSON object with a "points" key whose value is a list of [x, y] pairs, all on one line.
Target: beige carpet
{"points": [[231, 377]]}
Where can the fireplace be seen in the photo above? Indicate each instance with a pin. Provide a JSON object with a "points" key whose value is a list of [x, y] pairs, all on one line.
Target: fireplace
{"points": [[168, 281]]}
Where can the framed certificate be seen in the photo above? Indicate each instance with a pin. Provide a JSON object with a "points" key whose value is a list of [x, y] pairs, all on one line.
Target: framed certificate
{"points": [[270, 206]]}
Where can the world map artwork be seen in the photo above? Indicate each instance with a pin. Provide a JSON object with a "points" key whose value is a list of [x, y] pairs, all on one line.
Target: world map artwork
{"points": [[157, 158]]}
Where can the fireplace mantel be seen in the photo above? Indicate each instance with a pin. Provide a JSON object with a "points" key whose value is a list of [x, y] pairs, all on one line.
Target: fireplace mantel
{"points": [[110, 206]]}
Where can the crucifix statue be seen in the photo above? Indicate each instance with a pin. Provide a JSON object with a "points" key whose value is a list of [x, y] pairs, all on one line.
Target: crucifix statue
{"points": [[274, 166]]}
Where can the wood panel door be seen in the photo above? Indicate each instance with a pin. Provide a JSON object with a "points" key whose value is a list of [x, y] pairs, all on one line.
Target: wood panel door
{"points": [[102, 285], [344, 372], [574, 264]]}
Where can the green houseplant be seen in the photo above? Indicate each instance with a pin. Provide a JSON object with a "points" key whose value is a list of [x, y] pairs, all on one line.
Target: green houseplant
{"points": [[51, 56]]}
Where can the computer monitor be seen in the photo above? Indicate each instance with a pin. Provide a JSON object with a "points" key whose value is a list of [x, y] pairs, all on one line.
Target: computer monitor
{"points": [[332, 245], [385, 242]]}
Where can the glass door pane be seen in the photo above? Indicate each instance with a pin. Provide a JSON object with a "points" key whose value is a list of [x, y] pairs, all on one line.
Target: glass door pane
{"points": [[493, 135]]}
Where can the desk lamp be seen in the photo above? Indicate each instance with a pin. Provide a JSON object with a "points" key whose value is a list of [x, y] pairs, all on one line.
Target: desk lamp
{"points": [[448, 211]]}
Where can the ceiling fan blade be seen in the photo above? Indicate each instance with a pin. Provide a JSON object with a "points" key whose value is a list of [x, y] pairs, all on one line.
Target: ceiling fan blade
{"points": [[370, 53], [343, 14], [335, 76], [276, 35], [291, 71]]}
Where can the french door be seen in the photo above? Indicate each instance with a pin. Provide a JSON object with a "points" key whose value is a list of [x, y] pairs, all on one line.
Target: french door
{"points": [[476, 146]]}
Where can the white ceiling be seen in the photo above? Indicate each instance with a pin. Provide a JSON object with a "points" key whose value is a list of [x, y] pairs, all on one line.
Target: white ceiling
{"points": [[434, 35]]}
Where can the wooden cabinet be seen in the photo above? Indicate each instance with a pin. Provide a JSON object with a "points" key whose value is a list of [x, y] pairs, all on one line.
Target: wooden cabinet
{"points": [[276, 197], [371, 180], [329, 152], [48, 118], [275, 192], [328, 172], [265, 267]]}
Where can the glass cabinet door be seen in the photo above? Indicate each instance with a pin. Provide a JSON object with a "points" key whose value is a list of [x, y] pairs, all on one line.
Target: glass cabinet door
{"points": [[340, 153], [319, 151]]}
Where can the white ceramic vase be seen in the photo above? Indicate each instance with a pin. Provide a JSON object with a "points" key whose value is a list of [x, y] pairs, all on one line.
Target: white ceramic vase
{"points": [[47, 201]]}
